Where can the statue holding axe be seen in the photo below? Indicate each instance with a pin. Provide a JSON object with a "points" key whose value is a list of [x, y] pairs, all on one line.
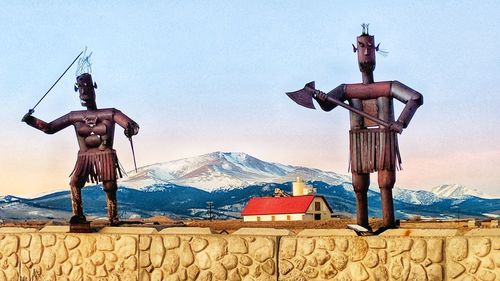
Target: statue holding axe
{"points": [[373, 134]]}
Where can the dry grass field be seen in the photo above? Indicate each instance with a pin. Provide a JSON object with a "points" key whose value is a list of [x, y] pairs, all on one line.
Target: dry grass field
{"points": [[229, 226]]}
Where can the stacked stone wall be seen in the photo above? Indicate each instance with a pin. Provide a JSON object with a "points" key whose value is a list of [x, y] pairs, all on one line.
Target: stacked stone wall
{"points": [[31, 255]]}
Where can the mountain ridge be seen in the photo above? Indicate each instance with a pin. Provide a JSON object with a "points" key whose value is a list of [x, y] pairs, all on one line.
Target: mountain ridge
{"points": [[181, 188]]}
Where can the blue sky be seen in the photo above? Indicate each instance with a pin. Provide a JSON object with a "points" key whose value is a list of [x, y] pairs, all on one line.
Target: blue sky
{"points": [[202, 76]]}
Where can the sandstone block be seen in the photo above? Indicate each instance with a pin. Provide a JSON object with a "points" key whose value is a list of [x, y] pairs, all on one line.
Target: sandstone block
{"points": [[198, 244], [457, 248], [203, 260], [171, 262], [9, 245], [435, 272], [419, 251], [126, 246], [339, 260], [358, 271], [285, 267], [216, 249], [234, 276], [219, 272], [187, 256], [157, 251], [171, 242], [36, 249], [48, 259], [454, 269], [193, 272], [311, 272], [237, 245], [326, 243], [104, 243], [268, 267], [262, 249], [71, 242], [144, 242], [358, 249], [230, 262], [61, 251], [342, 244], [305, 246], [486, 275], [435, 250], [371, 259], [376, 243], [328, 272], [246, 260], [288, 247], [48, 240], [481, 247], [25, 240]]}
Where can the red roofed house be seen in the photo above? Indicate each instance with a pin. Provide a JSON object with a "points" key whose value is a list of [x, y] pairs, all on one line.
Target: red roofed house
{"points": [[294, 208]]}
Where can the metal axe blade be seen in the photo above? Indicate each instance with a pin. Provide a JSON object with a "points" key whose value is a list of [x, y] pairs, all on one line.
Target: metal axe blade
{"points": [[304, 96]]}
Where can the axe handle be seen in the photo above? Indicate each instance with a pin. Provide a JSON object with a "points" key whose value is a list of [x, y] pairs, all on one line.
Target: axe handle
{"points": [[360, 112]]}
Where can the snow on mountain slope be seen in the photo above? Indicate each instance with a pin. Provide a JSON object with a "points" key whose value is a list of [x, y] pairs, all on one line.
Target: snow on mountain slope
{"points": [[224, 170], [419, 197], [458, 191]]}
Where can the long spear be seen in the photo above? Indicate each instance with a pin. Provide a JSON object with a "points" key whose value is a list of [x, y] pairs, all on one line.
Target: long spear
{"points": [[33, 109]]}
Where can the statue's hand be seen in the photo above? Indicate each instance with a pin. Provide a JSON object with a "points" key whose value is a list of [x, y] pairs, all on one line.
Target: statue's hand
{"points": [[27, 115], [320, 96], [396, 127], [131, 129]]}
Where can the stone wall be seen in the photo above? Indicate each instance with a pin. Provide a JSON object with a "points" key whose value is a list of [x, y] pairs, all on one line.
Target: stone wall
{"points": [[193, 254]]}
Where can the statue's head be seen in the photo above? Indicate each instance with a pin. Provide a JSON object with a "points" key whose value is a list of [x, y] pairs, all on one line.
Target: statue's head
{"points": [[366, 50], [85, 87]]}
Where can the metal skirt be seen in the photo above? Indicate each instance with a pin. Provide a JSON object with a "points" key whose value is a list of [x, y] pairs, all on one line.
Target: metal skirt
{"points": [[373, 150], [97, 166]]}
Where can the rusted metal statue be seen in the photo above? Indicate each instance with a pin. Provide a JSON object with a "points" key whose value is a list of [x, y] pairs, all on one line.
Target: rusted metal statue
{"points": [[373, 135], [97, 161]]}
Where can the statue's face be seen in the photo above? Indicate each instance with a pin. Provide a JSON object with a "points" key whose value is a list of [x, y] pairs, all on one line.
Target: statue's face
{"points": [[366, 53], [85, 89]]}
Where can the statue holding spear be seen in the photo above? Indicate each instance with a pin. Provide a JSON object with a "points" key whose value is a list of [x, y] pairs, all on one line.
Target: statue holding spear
{"points": [[96, 160]]}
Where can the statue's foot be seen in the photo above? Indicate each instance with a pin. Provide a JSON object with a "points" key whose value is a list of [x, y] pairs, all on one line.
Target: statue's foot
{"points": [[78, 219], [114, 222]]}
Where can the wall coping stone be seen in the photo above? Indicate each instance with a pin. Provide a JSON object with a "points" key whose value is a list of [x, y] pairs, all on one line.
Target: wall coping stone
{"points": [[327, 232], [186, 230], [10, 229], [483, 232], [262, 231], [55, 229], [127, 230], [417, 232]]}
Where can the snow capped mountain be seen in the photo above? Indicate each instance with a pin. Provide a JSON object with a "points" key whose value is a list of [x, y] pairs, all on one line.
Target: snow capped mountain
{"points": [[419, 197], [458, 192], [8, 199], [222, 170]]}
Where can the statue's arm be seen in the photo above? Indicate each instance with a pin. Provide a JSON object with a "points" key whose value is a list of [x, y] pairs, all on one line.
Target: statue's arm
{"points": [[408, 96], [338, 93], [130, 126], [48, 128]]}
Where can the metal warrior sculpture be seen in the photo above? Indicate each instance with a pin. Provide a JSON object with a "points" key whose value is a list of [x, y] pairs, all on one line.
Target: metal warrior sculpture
{"points": [[373, 135], [97, 160]]}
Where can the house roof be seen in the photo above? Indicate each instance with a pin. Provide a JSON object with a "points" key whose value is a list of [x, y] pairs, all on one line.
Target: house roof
{"points": [[277, 205]]}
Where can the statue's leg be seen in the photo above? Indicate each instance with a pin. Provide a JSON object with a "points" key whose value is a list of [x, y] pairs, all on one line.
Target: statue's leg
{"points": [[110, 188], [361, 182], [76, 184], [386, 181]]}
